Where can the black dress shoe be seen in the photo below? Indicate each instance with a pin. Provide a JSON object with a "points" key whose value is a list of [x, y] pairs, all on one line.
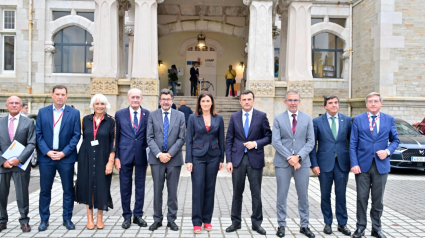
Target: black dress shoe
{"points": [[43, 225], [344, 229], [358, 233], [26, 227], [378, 234], [327, 229], [280, 231], [306, 231], [139, 221], [259, 229], [155, 226], [233, 227], [173, 226], [69, 225], [126, 223], [2, 227]]}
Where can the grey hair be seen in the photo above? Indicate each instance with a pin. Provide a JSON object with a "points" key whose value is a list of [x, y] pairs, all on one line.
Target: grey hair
{"points": [[373, 94], [292, 92], [134, 89], [166, 91], [329, 97], [102, 99]]}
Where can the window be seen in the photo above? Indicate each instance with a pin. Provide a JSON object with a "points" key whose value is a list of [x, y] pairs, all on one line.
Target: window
{"points": [[9, 19], [316, 20], [326, 55], [339, 21], [8, 53], [59, 14], [73, 54], [88, 15]]}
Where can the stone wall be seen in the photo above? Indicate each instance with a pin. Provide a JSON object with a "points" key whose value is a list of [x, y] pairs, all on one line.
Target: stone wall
{"points": [[410, 76], [364, 18]]}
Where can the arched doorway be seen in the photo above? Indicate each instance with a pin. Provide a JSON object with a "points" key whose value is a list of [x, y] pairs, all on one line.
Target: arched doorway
{"points": [[207, 60]]}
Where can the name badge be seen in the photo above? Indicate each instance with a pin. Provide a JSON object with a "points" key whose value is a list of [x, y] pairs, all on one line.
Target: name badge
{"points": [[94, 143]]}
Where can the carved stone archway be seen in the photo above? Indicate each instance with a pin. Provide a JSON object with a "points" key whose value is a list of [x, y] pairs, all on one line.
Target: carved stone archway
{"points": [[193, 41]]}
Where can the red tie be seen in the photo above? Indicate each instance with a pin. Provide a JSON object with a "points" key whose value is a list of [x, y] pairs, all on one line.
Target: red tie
{"points": [[294, 123]]}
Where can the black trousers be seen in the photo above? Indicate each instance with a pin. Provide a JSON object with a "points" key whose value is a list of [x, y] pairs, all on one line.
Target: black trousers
{"points": [[373, 182], [238, 179], [21, 180], [193, 87], [204, 176]]}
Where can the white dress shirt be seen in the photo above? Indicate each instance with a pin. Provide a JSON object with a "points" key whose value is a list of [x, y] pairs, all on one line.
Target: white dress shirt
{"points": [[169, 118], [139, 115], [336, 121], [377, 120], [250, 119], [15, 122], [57, 118], [291, 118]]}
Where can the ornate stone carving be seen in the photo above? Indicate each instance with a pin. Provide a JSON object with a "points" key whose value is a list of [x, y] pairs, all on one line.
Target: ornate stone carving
{"points": [[246, 48], [107, 86], [346, 55], [50, 49], [305, 88], [159, 1], [275, 33], [247, 2], [148, 86], [264, 88], [129, 30]]}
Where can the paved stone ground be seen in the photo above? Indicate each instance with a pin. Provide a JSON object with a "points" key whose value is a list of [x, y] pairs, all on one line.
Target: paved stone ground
{"points": [[404, 212]]}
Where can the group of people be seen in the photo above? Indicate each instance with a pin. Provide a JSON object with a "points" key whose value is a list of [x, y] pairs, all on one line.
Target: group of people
{"points": [[331, 145]]}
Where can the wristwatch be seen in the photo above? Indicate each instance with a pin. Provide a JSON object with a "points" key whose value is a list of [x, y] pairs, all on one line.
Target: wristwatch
{"points": [[300, 157]]}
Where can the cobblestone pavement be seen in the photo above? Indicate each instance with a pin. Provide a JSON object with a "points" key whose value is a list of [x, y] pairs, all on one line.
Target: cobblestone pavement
{"points": [[404, 212]]}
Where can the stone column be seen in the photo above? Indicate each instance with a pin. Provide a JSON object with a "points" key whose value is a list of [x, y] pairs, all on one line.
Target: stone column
{"points": [[145, 55], [283, 11], [298, 52], [129, 31], [105, 62]]}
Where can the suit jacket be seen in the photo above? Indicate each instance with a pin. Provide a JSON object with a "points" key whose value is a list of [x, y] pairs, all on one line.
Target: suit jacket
{"points": [[259, 131], [363, 145], [323, 156], [193, 73], [25, 134], [131, 148], [187, 111], [199, 141], [69, 134], [175, 141], [287, 144]]}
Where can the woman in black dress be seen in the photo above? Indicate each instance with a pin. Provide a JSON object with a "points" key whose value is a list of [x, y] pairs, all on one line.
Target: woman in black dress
{"points": [[95, 161]]}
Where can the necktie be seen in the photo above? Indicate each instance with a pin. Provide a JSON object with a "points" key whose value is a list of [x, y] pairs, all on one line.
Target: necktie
{"points": [[12, 129], [375, 129], [136, 122], [166, 125], [246, 127], [334, 127], [294, 123]]}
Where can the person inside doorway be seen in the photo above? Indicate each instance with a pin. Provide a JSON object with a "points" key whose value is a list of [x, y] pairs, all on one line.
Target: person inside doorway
{"points": [[230, 77], [194, 75], [173, 78]]}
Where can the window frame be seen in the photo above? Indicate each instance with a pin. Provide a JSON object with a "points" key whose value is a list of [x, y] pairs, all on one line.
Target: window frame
{"points": [[335, 51], [3, 70], [4, 21]]}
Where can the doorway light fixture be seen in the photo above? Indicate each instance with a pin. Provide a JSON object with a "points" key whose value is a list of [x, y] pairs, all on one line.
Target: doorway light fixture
{"points": [[241, 65], [160, 63], [201, 40]]}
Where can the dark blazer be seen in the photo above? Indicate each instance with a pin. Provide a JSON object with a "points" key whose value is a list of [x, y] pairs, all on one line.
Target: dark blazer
{"points": [[323, 156], [259, 131], [199, 141], [130, 147], [187, 111], [25, 134], [363, 146], [69, 134], [193, 73]]}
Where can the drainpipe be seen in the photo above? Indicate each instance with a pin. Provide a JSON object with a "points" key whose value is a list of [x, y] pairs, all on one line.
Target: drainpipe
{"points": [[30, 24], [350, 58]]}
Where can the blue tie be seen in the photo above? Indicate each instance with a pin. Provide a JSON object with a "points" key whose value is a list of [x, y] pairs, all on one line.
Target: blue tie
{"points": [[375, 129], [136, 122], [246, 128], [166, 124]]}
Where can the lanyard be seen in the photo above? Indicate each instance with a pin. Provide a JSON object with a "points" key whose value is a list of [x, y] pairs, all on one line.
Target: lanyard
{"points": [[132, 121], [54, 123], [94, 126], [371, 127]]}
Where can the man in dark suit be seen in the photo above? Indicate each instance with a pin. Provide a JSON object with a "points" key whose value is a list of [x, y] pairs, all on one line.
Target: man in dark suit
{"points": [[19, 128], [331, 161], [194, 75], [247, 135], [58, 131], [131, 156], [165, 136], [373, 139], [186, 110]]}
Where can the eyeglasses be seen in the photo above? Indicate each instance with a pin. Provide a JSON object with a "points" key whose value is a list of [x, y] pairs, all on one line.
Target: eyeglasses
{"points": [[14, 103], [166, 99], [373, 101], [292, 100]]}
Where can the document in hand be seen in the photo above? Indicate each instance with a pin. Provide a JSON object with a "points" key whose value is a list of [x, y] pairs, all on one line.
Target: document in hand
{"points": [[14, 150]]}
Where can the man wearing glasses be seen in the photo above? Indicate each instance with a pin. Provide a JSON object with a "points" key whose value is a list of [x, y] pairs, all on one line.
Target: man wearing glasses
{"points": [[165, 136], [293, 139]]}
